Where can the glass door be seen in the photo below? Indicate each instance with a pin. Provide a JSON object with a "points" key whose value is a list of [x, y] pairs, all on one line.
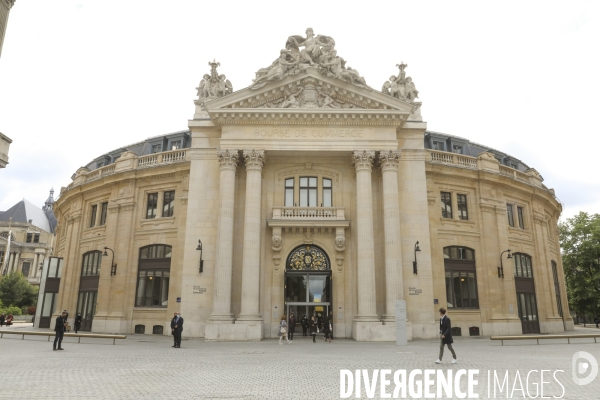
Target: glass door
{"points": [[528, 312], [86, 306]]}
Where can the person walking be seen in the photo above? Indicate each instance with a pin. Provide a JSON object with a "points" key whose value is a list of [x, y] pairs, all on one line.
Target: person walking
{"points": [[291, 327], [78, 321], [446, 338], [283, 331], [304, 323], [67, 326], [59, 327], [176, 329], [597, 321], [327, 329], [2, 318], [313, 328]]}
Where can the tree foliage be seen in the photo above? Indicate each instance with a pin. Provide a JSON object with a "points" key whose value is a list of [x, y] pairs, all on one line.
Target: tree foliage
{"points": [[580, 243], [16, 291]]}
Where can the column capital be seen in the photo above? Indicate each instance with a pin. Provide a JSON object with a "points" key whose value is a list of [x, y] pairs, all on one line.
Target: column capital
{"points": [[255, 159], [389, 159], [363, 160], [228, 159]]}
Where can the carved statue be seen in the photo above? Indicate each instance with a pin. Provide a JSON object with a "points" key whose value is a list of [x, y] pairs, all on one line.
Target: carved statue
{"points": [[302, 53], [401, 87], [213, 85]]}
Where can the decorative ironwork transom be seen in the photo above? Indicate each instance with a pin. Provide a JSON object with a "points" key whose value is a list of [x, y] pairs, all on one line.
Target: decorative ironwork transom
{"points": [[308, 257]]}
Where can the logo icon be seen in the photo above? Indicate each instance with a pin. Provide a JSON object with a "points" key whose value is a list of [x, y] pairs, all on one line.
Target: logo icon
{"points": [[581, 364]]}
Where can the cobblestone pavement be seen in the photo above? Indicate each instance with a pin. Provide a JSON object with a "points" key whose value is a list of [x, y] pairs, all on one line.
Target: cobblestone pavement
{"points": [[146, 367]]}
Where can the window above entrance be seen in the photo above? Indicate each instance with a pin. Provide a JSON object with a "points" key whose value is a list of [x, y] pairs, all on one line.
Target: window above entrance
{"points": [[308, 257]]}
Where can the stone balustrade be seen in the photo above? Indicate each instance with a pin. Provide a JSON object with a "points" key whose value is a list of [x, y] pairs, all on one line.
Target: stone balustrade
{"points": [[306, 213], [487, 162], [126, 162]]}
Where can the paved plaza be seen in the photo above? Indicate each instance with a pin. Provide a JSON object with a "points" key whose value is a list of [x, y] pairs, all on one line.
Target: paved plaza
{"points": [[146, 367]]}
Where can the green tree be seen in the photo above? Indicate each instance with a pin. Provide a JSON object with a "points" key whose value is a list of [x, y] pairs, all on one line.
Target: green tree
{"points": [[16, 291], [580, 244]]}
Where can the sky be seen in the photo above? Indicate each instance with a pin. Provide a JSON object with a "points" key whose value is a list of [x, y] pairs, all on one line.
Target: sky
{"points": [[81, 78]]}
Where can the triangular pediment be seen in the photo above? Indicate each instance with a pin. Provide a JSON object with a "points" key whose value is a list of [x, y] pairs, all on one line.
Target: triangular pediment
{"points": [[310, 91]]}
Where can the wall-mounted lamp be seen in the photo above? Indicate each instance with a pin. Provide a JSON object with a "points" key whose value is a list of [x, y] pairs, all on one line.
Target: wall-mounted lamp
{"points": [[501, 267], [113, 266], [200, 249], [415, 262]]}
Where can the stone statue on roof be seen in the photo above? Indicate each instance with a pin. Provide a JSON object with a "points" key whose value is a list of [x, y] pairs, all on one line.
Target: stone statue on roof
{"points": [[401, 86], [213, 85], [301, 53]]}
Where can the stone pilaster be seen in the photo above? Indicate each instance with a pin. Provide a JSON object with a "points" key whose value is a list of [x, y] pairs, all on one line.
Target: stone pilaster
{"points": [[228, 160], [254, 160], [365, 276], [394, 289]]}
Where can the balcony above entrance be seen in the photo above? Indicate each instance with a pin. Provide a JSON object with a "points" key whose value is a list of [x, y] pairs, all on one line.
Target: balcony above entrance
{"points": [[309, 213]]}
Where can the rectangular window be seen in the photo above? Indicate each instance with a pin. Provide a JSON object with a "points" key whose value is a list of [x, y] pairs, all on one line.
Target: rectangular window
{"points": [[176, 144], [93, 216], [25, 269], [520, 217], [151, 206], [29, 237], [168, 203], [440, 146], [457, 149], [103, 212], [327, 195], [36, 237], [523, 267], [289, 192], [461, 200], [514, 166], [100, 164], [156, 148], [152, 288], [461, 289], [308, 191], [509, 213], [446, 204]]}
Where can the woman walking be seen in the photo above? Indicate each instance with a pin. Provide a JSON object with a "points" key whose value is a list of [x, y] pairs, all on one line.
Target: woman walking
{"points": [[313, 328], [283, 329]]}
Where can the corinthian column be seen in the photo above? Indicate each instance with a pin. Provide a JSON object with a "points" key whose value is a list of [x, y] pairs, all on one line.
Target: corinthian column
{"points": [[228, 160], [367, 308], [251, 257], [391, 222]]}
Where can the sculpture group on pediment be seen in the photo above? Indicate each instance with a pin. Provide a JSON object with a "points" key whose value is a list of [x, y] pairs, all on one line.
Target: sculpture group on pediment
{"points": [[301, 53], [213, 85], [309, 94], [401, 86]]}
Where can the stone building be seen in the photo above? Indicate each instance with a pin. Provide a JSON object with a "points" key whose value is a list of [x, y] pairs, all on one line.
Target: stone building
{"points": [[309, 192], [31, 231], [5, 142], [5, 6]]}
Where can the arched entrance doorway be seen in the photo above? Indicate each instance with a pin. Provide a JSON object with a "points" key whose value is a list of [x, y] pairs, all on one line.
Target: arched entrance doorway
{"points": [[308, 284]]}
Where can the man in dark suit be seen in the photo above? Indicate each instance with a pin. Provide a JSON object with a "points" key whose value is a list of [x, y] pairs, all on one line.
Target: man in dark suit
{"points": [[59, 328], [291, 326], [446, 339], [176, 329]]}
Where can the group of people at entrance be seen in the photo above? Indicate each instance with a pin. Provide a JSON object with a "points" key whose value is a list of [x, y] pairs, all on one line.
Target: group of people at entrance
{"points": [[315, 325]]}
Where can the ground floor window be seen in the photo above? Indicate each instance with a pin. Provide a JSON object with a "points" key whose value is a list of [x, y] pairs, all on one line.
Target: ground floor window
{"points": [[152, 288], [461, 289]]}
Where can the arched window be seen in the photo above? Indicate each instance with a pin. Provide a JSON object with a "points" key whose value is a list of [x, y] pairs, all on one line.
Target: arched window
{"points": [[90, 266], [523, 265], [154, 266], [461, 277]]}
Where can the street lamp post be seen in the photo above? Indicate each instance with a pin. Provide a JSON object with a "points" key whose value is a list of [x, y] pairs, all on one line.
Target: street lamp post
{"points": [[501, 267], [113, 266]]}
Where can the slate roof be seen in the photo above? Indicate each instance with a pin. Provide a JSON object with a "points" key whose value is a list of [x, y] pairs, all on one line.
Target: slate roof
{"points": [[25, 210]]}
